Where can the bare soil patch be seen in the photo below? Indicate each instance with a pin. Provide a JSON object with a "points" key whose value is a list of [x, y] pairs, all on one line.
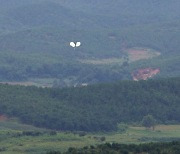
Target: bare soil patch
{"points": [[144, 74]]}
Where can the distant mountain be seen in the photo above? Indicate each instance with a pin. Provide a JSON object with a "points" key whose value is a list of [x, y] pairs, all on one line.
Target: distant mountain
{"points": [[128, 10], [9, 25], [46, 14]]}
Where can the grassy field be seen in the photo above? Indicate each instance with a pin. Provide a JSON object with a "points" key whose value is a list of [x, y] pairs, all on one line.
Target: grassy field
{"points": [[14, 137], [106, 61], [39, 82], [133, 54]]}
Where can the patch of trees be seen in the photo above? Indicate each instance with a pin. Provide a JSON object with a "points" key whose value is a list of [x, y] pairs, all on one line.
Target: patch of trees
{"points": [[28, 133], [93, 108], [148, 122], [114, 148]]}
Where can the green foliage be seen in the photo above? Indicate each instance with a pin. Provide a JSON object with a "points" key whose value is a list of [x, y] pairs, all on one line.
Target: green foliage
{"points": [[82, 134], [103, 139], [148, 121], [93, 108], [151, 148], [122, 128]]}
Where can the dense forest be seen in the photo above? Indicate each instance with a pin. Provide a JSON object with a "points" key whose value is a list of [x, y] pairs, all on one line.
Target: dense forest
{"points": [[93, 108], [148, 148], [35, 36]]}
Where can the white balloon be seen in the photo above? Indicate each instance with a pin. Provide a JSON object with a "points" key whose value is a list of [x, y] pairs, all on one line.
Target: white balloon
{"points": [[72, 44], [78, 44]]}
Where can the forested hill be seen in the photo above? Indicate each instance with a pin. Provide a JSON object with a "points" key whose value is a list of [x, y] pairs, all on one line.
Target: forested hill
{"points": [[93, 108], [107, 29]]}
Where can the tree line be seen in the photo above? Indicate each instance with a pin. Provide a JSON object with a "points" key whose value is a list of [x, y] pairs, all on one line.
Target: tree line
{"points": [[93, 108], [114, 148]]}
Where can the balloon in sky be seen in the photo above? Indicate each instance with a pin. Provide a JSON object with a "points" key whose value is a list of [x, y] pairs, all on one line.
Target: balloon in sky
{"points": [[75, 44], [78, 44], [72, 44]]}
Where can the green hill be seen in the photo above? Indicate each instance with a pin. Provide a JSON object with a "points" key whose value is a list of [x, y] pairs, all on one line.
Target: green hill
{"points": [[93, 108], [35, 36]]}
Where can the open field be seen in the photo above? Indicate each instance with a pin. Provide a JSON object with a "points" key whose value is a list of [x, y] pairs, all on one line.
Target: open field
{"points": [[39, 82], [15, 137], [134, 54], [106, 61]]}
